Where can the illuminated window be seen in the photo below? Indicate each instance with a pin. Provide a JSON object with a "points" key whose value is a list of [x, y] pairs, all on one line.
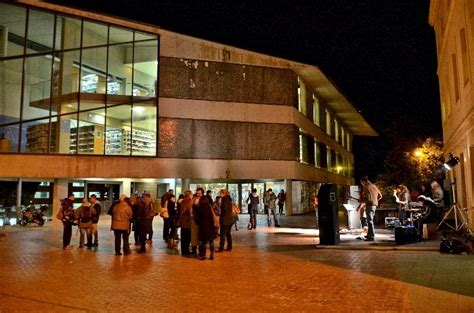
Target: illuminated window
{"points": [[302, 98]]}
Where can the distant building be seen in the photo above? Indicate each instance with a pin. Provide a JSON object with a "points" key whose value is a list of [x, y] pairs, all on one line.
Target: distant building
{"points": [[94, 104], [453, 22]]}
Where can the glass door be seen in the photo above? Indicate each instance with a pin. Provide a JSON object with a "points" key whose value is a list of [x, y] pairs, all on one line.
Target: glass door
{"points": [[246, 191], [234, 192], [261, 193]]}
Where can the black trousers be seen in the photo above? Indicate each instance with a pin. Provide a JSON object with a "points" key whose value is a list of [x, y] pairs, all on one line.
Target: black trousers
{"points": [[142, 232], [202, 247], [136, 231], [67, 234], [185, 241], [280, 208], [225, 234], [253, 217], [119, 235], [166, 229]]}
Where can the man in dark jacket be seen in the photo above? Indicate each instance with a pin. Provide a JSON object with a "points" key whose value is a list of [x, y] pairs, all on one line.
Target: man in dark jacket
{"points": [[95, 219], [226, 220], [66, 215], [141, 220], [207, 233]]}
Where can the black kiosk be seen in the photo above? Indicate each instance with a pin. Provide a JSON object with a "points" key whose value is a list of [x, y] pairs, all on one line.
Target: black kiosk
{"points": [[327, 215]]}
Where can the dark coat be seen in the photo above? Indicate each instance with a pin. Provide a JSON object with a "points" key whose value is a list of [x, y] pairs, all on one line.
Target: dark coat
{"points": [[185, 213], [205, 220], [226, 218]]}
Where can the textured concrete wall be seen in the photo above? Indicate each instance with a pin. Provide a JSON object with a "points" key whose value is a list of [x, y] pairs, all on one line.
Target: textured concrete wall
{"points": [[205, 80], [204, 139]]}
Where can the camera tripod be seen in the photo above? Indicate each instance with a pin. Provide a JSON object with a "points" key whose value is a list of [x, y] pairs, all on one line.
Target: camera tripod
{"points": [[460, 219]]}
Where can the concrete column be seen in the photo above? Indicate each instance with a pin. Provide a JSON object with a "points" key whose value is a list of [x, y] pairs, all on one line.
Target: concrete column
{"points": [[185, 182], [289, 197], [126, 187], [239, 196], [18, 195], [60, 191]]}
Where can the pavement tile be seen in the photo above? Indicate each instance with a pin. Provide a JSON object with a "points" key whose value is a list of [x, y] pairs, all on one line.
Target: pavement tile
{"points": [[270, 269]]}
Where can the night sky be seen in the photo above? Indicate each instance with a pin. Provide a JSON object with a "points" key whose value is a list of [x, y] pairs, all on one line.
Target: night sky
{"points": [[380, 53]]}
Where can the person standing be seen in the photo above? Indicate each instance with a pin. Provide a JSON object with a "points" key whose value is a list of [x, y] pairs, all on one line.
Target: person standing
{"points": [[253, 201], [163, 203], [372, 197], [172, 220], [209, 197], [140, 217], [185, 222], [207, 233], [66, 215], [150, 211], [402, 198], [438, 198], [269, 200], [121, 215], [84, 215], [194, 224], [281, 201], [225, 220], [95, 218]]}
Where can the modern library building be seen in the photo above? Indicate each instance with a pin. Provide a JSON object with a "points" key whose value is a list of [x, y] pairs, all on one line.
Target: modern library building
{"points": [[91, 103]]}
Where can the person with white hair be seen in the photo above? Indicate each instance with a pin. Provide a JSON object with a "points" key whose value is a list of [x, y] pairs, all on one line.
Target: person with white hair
{"points": [[121, 215]]}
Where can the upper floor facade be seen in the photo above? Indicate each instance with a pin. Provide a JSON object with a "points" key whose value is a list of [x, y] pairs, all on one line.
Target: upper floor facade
{"points": [[76, 83]]}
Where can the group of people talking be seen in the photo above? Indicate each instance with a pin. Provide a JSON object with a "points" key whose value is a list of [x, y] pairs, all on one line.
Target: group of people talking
{"points": [[200, 219]]}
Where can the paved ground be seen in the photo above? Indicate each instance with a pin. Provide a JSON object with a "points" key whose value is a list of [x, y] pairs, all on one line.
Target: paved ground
{"points": [[269, 270]]}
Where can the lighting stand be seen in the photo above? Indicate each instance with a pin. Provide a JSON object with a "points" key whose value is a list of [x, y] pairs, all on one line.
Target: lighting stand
{"points": [[460, 221]]}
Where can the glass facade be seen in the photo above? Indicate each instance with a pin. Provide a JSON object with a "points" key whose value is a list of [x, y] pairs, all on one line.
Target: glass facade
{"points": [[73, 86]]}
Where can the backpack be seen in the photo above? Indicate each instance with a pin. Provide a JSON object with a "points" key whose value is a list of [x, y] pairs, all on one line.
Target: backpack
{"points": [[86, 215], [453, 246], [97, 209]]}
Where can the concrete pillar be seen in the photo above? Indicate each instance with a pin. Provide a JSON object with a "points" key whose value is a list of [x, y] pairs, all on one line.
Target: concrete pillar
{"points": [[18, 195], [60, 191], [239, 196], [289, 197], [185, 182], [126, 187]]}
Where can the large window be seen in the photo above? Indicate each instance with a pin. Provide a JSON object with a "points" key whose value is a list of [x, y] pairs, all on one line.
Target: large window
{"points": [[302, 105], [316, 111], [75, 86]]}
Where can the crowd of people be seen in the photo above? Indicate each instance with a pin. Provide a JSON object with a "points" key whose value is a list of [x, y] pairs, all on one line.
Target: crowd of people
{"points": [[201, 220]]}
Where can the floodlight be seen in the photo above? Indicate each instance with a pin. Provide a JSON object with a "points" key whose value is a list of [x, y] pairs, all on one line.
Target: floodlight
{"points": [[452, 162]]}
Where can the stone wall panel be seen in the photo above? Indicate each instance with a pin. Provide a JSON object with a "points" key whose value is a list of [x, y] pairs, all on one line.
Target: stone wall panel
{"points": [[205, 139], [219, 81]]}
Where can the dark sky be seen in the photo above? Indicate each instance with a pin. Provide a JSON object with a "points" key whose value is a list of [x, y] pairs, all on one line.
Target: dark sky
{"points": [[380, 53]]}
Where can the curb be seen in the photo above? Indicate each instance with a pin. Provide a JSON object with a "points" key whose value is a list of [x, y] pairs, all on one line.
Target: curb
{"points": [[379, 248]]}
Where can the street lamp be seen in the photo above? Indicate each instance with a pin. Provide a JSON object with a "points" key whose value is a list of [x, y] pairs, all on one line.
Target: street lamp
{"points": [[418, 153]]}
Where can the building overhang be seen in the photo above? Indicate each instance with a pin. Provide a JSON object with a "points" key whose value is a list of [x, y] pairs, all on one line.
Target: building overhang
{"points": [[334, 99]]}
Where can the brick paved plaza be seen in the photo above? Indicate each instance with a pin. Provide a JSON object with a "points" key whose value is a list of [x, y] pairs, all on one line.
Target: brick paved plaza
{"points": [[268, 270]]}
